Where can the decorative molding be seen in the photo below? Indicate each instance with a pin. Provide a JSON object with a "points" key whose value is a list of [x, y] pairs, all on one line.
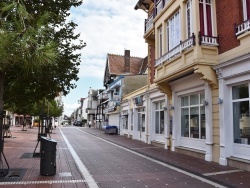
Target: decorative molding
{"points": [[207, 73]]}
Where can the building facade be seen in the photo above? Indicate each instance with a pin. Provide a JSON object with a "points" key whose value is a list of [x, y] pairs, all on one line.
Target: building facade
{"points": [[198, 57]]}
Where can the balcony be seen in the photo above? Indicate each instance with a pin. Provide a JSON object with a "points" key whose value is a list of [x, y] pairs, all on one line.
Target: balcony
{"points": [[242, 28], [177, 50], [208, 40], [149, 23]]}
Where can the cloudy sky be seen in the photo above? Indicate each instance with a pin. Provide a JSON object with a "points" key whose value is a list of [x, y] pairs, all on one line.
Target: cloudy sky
{"points": [[109, 26]]}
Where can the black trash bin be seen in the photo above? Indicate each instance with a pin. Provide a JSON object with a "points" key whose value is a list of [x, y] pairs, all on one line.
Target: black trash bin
{"points": [[48, 156]]}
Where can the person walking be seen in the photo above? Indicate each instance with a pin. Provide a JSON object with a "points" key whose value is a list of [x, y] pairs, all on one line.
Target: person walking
{"points": [[90, 124]]}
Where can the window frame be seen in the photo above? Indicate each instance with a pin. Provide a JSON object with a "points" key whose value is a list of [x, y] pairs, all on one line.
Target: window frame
{"points": [[160, 40], [189, 20], [234, 101], [200, 104], [169, 24], [204, 21], [160, 105]]}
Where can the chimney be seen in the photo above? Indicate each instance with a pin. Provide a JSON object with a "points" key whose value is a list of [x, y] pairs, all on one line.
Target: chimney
{"points": [[127, 61]]}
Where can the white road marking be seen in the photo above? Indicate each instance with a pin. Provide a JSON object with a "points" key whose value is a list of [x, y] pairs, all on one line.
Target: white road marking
{"points": [[161, 163], [41, 182], [89, 179], [222, 172]]}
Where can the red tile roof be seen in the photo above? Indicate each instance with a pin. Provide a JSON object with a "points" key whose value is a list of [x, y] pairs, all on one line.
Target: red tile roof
{"points": [[116, 64]]}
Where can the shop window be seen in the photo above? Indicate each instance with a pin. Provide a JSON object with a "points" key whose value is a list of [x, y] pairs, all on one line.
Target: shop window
{"points": [[132, 119], [125, 119], [241, 120], [141, 119], [159, 117], [193, 116]]}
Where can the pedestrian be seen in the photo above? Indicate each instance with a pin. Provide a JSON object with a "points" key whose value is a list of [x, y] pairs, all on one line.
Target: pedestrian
{"points": [[90, 124]]}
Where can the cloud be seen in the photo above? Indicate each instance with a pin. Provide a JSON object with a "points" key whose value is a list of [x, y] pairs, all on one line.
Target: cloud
{"points": [[107, 27]]}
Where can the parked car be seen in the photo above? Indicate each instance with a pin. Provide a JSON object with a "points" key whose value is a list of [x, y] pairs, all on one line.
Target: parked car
{"points": [[78, 123]]}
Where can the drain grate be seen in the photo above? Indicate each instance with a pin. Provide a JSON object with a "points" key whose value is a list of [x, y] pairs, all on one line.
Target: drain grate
{"points": [[26, 155], [13, 175]]}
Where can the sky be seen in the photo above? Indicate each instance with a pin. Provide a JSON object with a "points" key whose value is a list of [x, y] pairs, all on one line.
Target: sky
{"points": [[109, 26]]}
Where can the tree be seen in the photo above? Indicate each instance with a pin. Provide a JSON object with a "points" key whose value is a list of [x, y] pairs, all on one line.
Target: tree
{"points": [[55, 78], [22, 45]]}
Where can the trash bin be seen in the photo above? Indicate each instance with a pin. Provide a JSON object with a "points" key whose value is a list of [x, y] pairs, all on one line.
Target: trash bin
{"points": [[48, 156]]}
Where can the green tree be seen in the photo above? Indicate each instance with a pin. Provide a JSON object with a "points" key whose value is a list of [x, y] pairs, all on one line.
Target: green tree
{"points": [[22, 45], [55, 78]]}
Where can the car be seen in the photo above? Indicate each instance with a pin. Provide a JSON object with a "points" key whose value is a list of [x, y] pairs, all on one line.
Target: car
{"points": [[78, 123]]}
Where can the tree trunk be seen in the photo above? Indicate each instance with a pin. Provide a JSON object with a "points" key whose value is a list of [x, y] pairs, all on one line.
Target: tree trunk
{"points": [[1, 112]]}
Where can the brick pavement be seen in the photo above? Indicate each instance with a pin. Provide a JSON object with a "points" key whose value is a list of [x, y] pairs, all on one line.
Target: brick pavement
{"points": [[67, 174], [19, 149], [194, 165]]}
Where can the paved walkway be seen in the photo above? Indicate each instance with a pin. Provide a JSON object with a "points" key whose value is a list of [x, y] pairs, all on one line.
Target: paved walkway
{"points": [[25, 169], [225, 175]]}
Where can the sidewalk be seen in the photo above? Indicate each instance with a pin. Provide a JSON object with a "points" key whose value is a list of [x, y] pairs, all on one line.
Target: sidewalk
{"points": [[25, 169], [225, 175]]}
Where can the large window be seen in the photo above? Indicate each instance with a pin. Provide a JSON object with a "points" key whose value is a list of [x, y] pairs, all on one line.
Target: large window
{"points": [[173, 31], [246, 9], [205, 8], [159, 117], [193, 116], [189, 19], [241, 120]]}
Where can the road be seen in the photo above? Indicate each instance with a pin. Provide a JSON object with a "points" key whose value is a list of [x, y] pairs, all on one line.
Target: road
{"points": [[104, 164]]}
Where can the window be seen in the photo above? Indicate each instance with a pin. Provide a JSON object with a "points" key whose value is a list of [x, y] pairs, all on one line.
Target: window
{"points": [[193, 116], [241, 119], [141, 119], [125, 119], [160, 42], [246, 9], [189, 19], [159, 117], [132, 119], [205, 8], [173, 31]]}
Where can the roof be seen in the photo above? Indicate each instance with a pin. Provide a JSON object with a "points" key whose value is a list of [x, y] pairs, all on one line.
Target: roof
{"points": [[116, 64]]}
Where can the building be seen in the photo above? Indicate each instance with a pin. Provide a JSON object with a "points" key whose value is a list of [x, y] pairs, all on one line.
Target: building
{"points": [[123, 74], [204, 114]]}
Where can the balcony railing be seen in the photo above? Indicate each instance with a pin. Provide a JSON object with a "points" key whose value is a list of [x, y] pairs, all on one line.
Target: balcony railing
{"points": [[208, 40], [242, 28], [177, 50], [149, 23]]}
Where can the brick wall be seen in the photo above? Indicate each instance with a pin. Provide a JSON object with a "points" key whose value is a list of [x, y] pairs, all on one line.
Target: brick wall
{"points": [[229, 13]]}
